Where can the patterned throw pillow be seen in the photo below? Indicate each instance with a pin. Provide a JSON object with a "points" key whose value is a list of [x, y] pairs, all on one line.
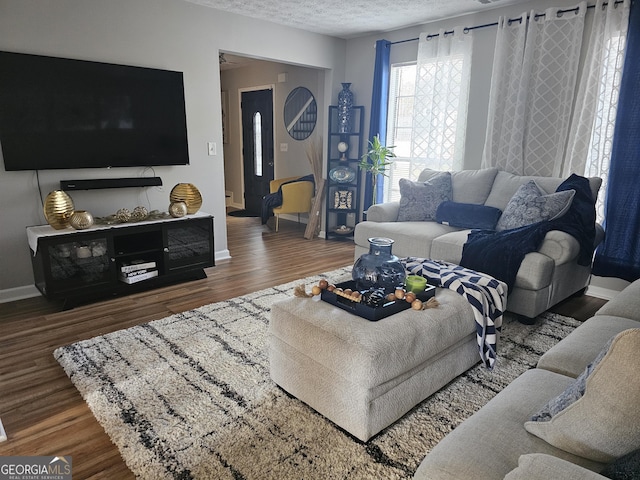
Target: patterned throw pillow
{"points": [[531, 205], [419, 200]]}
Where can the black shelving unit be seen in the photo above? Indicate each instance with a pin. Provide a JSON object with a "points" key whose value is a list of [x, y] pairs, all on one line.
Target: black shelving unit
{"points": [[343, 176]]}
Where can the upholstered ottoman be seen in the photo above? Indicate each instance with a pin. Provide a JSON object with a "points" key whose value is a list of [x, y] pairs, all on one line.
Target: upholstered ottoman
{"points": [[365, 375]]}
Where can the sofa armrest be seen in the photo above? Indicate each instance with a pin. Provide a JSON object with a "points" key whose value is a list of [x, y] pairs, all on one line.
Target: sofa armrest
{"points": [[540, 466], [560, 247], [383, 212]]}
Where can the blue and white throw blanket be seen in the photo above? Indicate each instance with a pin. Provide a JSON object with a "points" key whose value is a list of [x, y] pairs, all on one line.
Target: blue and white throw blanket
{"points": [[486, 295]]}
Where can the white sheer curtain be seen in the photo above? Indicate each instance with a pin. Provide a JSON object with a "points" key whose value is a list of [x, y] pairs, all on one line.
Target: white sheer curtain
{"points": [[591, 136], [533, 84], [440, 104]]}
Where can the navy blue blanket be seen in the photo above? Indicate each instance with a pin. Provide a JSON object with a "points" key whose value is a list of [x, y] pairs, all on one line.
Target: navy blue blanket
{"points": [[500, 254], [271, 200]]}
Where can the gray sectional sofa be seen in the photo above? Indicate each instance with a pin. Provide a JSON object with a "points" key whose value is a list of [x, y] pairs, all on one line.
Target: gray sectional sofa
{"points": [[544, 278], [594, 437]]}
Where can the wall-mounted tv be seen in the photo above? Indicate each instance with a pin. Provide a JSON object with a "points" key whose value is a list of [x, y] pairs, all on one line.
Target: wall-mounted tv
{"points": [[62, 113]]}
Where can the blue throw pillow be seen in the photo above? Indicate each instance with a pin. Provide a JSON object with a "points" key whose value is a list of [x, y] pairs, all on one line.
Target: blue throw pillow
{"points": [[468, 215]]}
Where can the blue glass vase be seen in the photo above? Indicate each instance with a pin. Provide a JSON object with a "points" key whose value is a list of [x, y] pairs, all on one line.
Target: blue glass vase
{"points": [[345, 105], [379, 268]]}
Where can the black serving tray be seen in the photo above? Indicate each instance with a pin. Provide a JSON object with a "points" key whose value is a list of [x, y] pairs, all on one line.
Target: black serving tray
{"points": [[365, 311]]}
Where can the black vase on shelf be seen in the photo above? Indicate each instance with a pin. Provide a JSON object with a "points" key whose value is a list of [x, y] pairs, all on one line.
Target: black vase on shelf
{"points": [[345, 105], [379, 268]]}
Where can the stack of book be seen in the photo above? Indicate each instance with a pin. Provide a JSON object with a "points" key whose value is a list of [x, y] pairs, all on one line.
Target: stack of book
{"points": [[137, 270]]}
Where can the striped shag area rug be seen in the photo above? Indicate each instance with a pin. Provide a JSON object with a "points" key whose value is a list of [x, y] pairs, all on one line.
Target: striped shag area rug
{"points": [[190, 396]]}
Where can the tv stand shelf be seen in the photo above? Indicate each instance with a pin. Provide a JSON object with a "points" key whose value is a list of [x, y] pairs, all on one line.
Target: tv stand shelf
{"points": [[80, 266]]}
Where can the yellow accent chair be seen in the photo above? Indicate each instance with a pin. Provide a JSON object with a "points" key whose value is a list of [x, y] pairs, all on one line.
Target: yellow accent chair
{"points": [[296, 196]]}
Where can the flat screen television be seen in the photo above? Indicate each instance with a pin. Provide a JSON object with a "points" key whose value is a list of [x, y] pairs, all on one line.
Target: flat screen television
{"points": [[61, 113]]}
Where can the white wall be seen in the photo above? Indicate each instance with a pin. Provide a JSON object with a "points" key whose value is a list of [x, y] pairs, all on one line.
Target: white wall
{"points": [[360, 64], [167, 34]]}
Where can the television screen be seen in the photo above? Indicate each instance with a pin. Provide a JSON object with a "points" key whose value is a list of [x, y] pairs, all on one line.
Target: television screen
{"points": [[61, 113]]}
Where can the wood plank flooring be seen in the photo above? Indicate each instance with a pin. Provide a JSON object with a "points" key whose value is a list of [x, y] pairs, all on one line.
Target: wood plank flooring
{"points": [[40, 408]]}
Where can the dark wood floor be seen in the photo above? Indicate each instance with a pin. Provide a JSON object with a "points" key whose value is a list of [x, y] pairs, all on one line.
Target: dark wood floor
{"points": [[40, 408]]}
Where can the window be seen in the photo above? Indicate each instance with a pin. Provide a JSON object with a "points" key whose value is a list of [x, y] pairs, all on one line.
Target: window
{"points": [[257, 144], [402, 86], [599, 152], [427, 112]]}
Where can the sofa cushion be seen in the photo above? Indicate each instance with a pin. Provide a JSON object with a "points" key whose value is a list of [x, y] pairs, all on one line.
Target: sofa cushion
{"points": [[531, 205], [410, 238], [419, 200], [468, 215], [573, 353], [539, 466], [625, 304], [468, 186], [506, 184], [602, 425], [448, 247]]}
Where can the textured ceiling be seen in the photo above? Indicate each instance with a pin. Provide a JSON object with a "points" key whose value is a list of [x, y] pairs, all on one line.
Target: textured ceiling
{"points": [[351, 18]]}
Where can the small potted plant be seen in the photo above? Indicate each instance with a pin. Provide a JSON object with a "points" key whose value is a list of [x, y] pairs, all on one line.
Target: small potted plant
{"points": [[376, 161]]}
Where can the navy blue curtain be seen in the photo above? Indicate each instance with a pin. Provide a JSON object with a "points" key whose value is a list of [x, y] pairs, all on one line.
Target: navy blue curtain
{"points": [[378, 119], [619, 254]]}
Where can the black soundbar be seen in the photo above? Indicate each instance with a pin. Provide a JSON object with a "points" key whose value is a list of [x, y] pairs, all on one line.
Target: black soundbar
{"points": [[110, 183]]}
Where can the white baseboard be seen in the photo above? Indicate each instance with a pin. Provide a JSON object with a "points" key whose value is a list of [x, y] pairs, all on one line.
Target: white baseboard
{"points": [[18, 293], [599, 292], [222, 255]]}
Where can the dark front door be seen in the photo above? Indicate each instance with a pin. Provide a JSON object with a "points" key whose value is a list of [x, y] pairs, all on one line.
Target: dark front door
{"points": [[257, 144]]}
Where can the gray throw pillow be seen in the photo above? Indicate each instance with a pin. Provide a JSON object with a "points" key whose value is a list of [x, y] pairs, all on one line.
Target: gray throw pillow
{"points": [[531, 205], [419, 201]]}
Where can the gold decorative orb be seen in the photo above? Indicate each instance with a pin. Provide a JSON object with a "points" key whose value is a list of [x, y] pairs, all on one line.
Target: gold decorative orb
{"points": [[177, 209], [81, 219], [58, 208], [139, 213], [123, 215], [187, 193]]}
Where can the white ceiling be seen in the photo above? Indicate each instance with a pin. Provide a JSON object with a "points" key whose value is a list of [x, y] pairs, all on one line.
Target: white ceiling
{"points": [[352, 18]]}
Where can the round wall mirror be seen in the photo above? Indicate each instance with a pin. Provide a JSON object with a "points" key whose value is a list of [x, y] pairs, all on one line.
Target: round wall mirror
{"points": [[300, 113]]}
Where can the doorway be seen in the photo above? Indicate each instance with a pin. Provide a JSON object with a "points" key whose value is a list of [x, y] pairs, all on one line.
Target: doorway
{"points": [[257, 146]]}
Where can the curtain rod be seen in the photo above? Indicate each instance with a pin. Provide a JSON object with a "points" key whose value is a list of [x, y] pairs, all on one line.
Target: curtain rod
{"points": [[493, 24]]}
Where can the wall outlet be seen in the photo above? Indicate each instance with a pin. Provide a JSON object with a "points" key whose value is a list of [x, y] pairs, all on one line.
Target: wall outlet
{"points": [[284, 147]]}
